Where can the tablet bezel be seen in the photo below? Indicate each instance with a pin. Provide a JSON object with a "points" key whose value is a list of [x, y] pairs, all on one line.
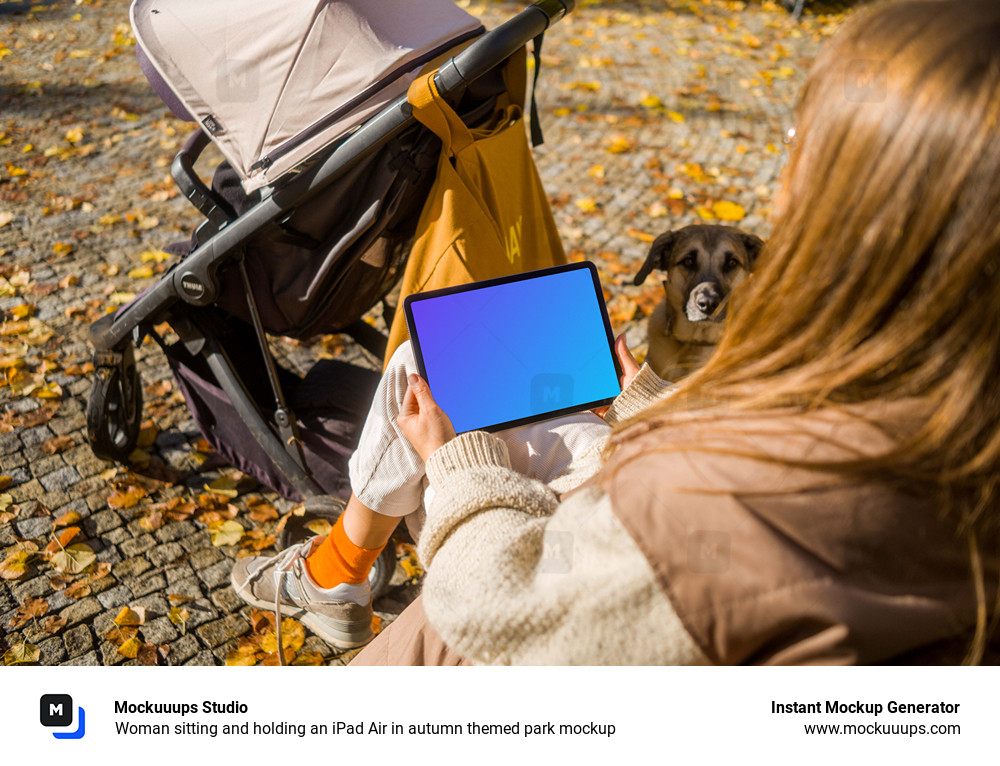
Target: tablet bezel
{"points": [[472, 286]]}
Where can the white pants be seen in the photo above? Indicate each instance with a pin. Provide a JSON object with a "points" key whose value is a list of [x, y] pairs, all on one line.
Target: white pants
{"points": [[387, 475]]}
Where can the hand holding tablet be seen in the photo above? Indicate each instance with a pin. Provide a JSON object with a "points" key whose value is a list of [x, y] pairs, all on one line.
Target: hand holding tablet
{"points": [[516, 350]]}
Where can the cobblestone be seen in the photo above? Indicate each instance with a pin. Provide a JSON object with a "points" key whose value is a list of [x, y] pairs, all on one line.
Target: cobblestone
{"points": [[44, 468], [118, 596], [78, 640], [202, 658], [137, 545], [162, 555], [227, 600], [35, 527], [53, 650], [30, 490], [82, 610], [217, 574], [33, 588], [131, 567], [150, 583], [176, 531], [203, 558], [184, 648], [102, 522], [220, 631], [89, 659], [32, 437], [160, 631]]}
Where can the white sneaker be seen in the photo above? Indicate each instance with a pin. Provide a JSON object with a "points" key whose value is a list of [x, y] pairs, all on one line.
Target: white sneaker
{"points": [[341, 616]]}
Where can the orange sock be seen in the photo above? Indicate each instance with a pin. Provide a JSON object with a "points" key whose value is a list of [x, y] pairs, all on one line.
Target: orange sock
{"points": [[338, 560]]}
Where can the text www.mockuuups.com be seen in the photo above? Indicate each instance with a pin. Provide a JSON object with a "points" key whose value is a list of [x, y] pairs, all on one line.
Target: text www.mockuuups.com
{"points": [[898, 729], [870, 724]]}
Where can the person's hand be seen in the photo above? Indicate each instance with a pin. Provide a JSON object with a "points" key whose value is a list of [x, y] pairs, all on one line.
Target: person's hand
{"points": [[422, 422], [630, 368]]}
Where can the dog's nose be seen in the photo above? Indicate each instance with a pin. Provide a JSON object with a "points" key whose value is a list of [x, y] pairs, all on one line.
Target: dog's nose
{"points": [[707, 302]]}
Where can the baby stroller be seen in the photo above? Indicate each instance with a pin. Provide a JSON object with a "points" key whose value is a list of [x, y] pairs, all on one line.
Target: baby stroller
{"points": [[307, 221]]}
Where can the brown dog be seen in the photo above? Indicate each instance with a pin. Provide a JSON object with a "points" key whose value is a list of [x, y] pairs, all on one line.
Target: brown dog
{"points": [[702, 265]]}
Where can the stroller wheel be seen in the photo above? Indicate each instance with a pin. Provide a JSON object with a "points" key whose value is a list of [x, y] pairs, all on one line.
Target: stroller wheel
{"points": [[329, 508], [114, 410]]}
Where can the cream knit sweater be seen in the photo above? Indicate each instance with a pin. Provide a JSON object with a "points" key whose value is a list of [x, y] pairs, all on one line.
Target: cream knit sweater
{"points": [[514, 576]]}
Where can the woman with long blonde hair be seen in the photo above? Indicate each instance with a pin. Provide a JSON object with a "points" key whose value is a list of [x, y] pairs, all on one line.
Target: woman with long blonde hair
{"points": [[825, 489]]}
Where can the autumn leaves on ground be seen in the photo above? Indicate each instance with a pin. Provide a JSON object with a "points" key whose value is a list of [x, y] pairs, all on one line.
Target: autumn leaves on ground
{"points": [[657, 114]]}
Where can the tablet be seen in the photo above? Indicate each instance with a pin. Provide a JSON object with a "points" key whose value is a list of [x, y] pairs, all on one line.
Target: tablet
{"points": [[515, 350]]}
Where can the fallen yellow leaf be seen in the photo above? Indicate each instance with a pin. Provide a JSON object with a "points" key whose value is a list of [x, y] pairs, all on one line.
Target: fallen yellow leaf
{"points": [[224, 485], [225, 532], [585, 86], [21, 653], [130, 648], [242, 656], [319, 527], [15, 565], [133, 617], [74, 559], [22, 311], [728, 211], [618, 145]]}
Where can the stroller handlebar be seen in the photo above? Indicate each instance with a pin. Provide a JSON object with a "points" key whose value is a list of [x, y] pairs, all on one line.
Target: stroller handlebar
{"points": [[500, 43], [191, 186]]}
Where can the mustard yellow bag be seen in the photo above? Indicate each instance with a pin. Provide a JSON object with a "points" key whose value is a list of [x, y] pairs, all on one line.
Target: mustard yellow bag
{"points": [[487, 214]]}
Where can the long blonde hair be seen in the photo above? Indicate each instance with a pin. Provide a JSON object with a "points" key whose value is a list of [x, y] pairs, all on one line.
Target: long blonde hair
{"points": [[881, 280]]}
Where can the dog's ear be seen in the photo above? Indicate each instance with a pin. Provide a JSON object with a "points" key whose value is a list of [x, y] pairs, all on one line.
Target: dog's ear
{"points": [[658, 257], [753, 244]]}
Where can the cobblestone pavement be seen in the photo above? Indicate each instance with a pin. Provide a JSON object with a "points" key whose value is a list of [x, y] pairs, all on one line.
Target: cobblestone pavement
{"points": [[654, 113]]}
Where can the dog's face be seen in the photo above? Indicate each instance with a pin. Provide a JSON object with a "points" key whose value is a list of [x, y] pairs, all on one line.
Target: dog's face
{"points": [[702, 264]]}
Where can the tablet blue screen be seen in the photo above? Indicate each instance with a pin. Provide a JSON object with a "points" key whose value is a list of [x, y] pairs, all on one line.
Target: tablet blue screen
{"points": [[516, 350]]}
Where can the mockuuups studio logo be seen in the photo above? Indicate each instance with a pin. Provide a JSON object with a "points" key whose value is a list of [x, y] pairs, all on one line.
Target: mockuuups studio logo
{"points": [[557, 552], [551, 391], [866, 81], [57, 710], [237, 81], [708, 552]]}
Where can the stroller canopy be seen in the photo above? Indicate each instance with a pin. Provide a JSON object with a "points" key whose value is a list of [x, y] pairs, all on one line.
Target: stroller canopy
{"points": [[273, 83]]}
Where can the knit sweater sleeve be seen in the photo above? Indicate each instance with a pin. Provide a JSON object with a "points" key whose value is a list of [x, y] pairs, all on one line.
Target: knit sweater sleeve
{"points": [[514, 576], [644, 389]]}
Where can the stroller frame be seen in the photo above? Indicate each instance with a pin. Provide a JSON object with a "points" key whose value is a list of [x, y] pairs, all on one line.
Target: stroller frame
{"points": [[114, 410]]}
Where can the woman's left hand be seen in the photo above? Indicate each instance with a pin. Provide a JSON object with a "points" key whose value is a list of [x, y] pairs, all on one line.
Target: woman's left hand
{"points": [[422, 422]]}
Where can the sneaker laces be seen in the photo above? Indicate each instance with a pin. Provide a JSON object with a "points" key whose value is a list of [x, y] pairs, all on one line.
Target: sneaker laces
{"points": [[283, 564]]}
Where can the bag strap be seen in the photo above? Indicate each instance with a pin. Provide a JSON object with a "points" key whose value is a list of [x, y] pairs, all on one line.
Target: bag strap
{"points": [[430, 109], [537, 139]]}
